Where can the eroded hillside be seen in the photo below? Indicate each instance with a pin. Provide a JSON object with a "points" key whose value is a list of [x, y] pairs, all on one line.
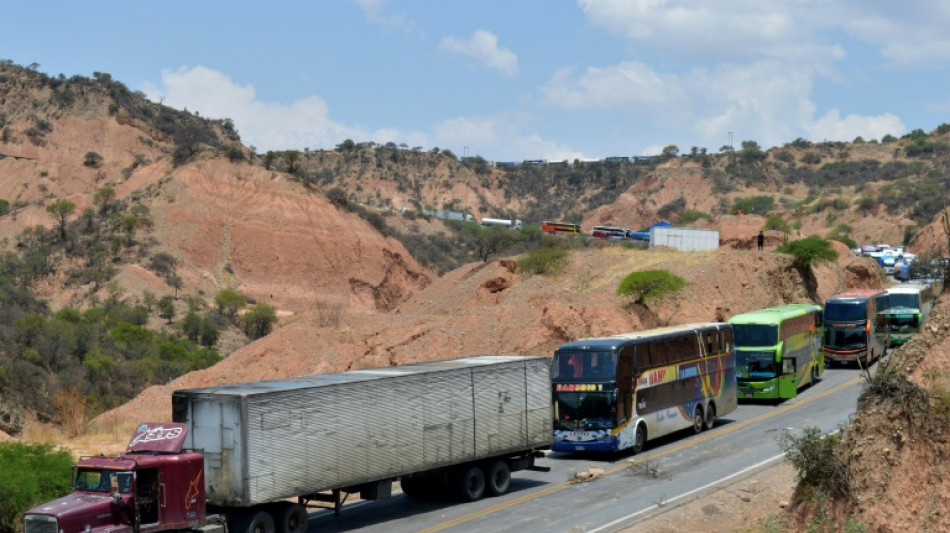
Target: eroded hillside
{"points": [[488, 308]]}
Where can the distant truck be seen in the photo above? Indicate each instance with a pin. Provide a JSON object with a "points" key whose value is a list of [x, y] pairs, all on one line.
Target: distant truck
{"points": [[250, 458], [506, 222]]}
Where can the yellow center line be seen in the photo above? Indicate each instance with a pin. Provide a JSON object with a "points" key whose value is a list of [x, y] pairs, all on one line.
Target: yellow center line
{"points": [[667, 450]]}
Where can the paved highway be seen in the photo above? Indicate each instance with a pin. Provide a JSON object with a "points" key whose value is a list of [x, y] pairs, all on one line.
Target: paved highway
{"points": [[669, 471]]}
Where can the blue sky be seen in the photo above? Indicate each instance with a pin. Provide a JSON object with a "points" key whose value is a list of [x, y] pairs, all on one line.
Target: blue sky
{"points": [[513, 80]]}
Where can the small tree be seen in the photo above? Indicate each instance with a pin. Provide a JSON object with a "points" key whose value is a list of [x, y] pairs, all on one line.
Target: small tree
{"points": [[61, 209], [209, 332], [228, 301], [259, 320], [291, 157], [487, 242], [176, 283], [650, 285], [777, 223], [103, 198], [130, 223], [166, 308], [191, 326], [92, 160]]}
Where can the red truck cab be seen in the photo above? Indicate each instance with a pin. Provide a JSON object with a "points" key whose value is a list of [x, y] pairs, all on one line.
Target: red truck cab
{"points": [[154, 485]]}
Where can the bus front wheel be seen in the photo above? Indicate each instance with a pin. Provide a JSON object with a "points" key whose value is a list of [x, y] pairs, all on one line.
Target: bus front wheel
{"points": [[639, 439]]}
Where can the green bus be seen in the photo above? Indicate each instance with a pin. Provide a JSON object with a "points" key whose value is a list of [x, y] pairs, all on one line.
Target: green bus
{"points": [[778, 350]]}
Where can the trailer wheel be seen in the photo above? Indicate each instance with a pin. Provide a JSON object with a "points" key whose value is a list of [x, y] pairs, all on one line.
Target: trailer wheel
{"points": [[291, 518], [257, 522], [469, 483], [499, 478]]}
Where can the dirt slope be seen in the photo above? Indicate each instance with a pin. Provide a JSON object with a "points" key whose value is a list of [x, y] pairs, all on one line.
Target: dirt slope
{"points": [[488, 308]]}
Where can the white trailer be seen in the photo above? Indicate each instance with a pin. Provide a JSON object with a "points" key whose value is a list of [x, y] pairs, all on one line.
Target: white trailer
{"points": [[458, 427], [508, 223], [684, 239]]}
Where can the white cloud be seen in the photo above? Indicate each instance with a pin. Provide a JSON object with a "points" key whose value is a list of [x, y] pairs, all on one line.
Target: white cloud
{"points": [[265, 125], [697, 29], [482, 46], [376, 13], [629, 85], [907, 33], [831, 126], [504, 135]]}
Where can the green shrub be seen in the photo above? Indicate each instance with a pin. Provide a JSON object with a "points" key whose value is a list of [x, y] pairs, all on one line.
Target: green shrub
{"points": [[821, 461], [650, 285], [30, 474], [545, 260], [754, 205], [691, 215], [259, 320], [777, 223], [809, 251]]}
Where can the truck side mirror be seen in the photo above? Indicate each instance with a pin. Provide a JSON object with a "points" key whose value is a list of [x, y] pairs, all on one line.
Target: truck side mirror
{"points": [[114, 484]]}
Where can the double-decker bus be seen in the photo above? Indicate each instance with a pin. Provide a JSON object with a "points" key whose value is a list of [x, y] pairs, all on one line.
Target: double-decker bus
{"points": [[615, 393], [853, 330], [609, 232], [562, 228], [778, 350], [909, 306]]}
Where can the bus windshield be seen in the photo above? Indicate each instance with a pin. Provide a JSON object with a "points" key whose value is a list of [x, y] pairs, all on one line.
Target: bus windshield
{"points": [[576, 365], [847, 311], [755, 334], [846, 338], [756, 364], [583, 410], [911, 301], [100, 480]]}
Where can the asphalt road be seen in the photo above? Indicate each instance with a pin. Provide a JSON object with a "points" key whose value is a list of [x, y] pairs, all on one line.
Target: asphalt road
{"points": [[669, 470]]}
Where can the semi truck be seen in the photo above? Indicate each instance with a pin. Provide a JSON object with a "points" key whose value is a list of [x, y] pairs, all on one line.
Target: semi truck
{"points": [[253, 457], [505, 222]]}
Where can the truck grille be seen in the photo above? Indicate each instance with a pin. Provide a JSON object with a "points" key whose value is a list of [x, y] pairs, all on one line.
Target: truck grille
{"points": [[38, 523]]}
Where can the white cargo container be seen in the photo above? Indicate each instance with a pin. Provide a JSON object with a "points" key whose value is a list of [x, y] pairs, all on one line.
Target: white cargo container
{"points": [[684, 239], [508, 223], [435, 426]]}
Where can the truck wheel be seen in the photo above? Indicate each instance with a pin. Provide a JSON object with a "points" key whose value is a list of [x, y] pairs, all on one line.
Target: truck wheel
{"points": [[499, 478], [257, 522], [291, 518], [469, 483]]}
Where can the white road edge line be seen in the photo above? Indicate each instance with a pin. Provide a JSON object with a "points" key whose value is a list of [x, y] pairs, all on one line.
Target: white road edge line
{"points": [[621, 520]]}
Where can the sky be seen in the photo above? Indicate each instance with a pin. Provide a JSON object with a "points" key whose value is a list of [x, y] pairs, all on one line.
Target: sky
{"points": [[511, 80]]}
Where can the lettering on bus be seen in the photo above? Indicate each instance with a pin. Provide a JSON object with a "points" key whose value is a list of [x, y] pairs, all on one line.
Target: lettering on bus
{"points": [[579, 387], [655, 377]]}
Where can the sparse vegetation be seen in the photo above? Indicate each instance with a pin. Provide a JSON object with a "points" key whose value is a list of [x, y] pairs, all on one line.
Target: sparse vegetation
{"points": [[544, 260], [821, 461]]}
